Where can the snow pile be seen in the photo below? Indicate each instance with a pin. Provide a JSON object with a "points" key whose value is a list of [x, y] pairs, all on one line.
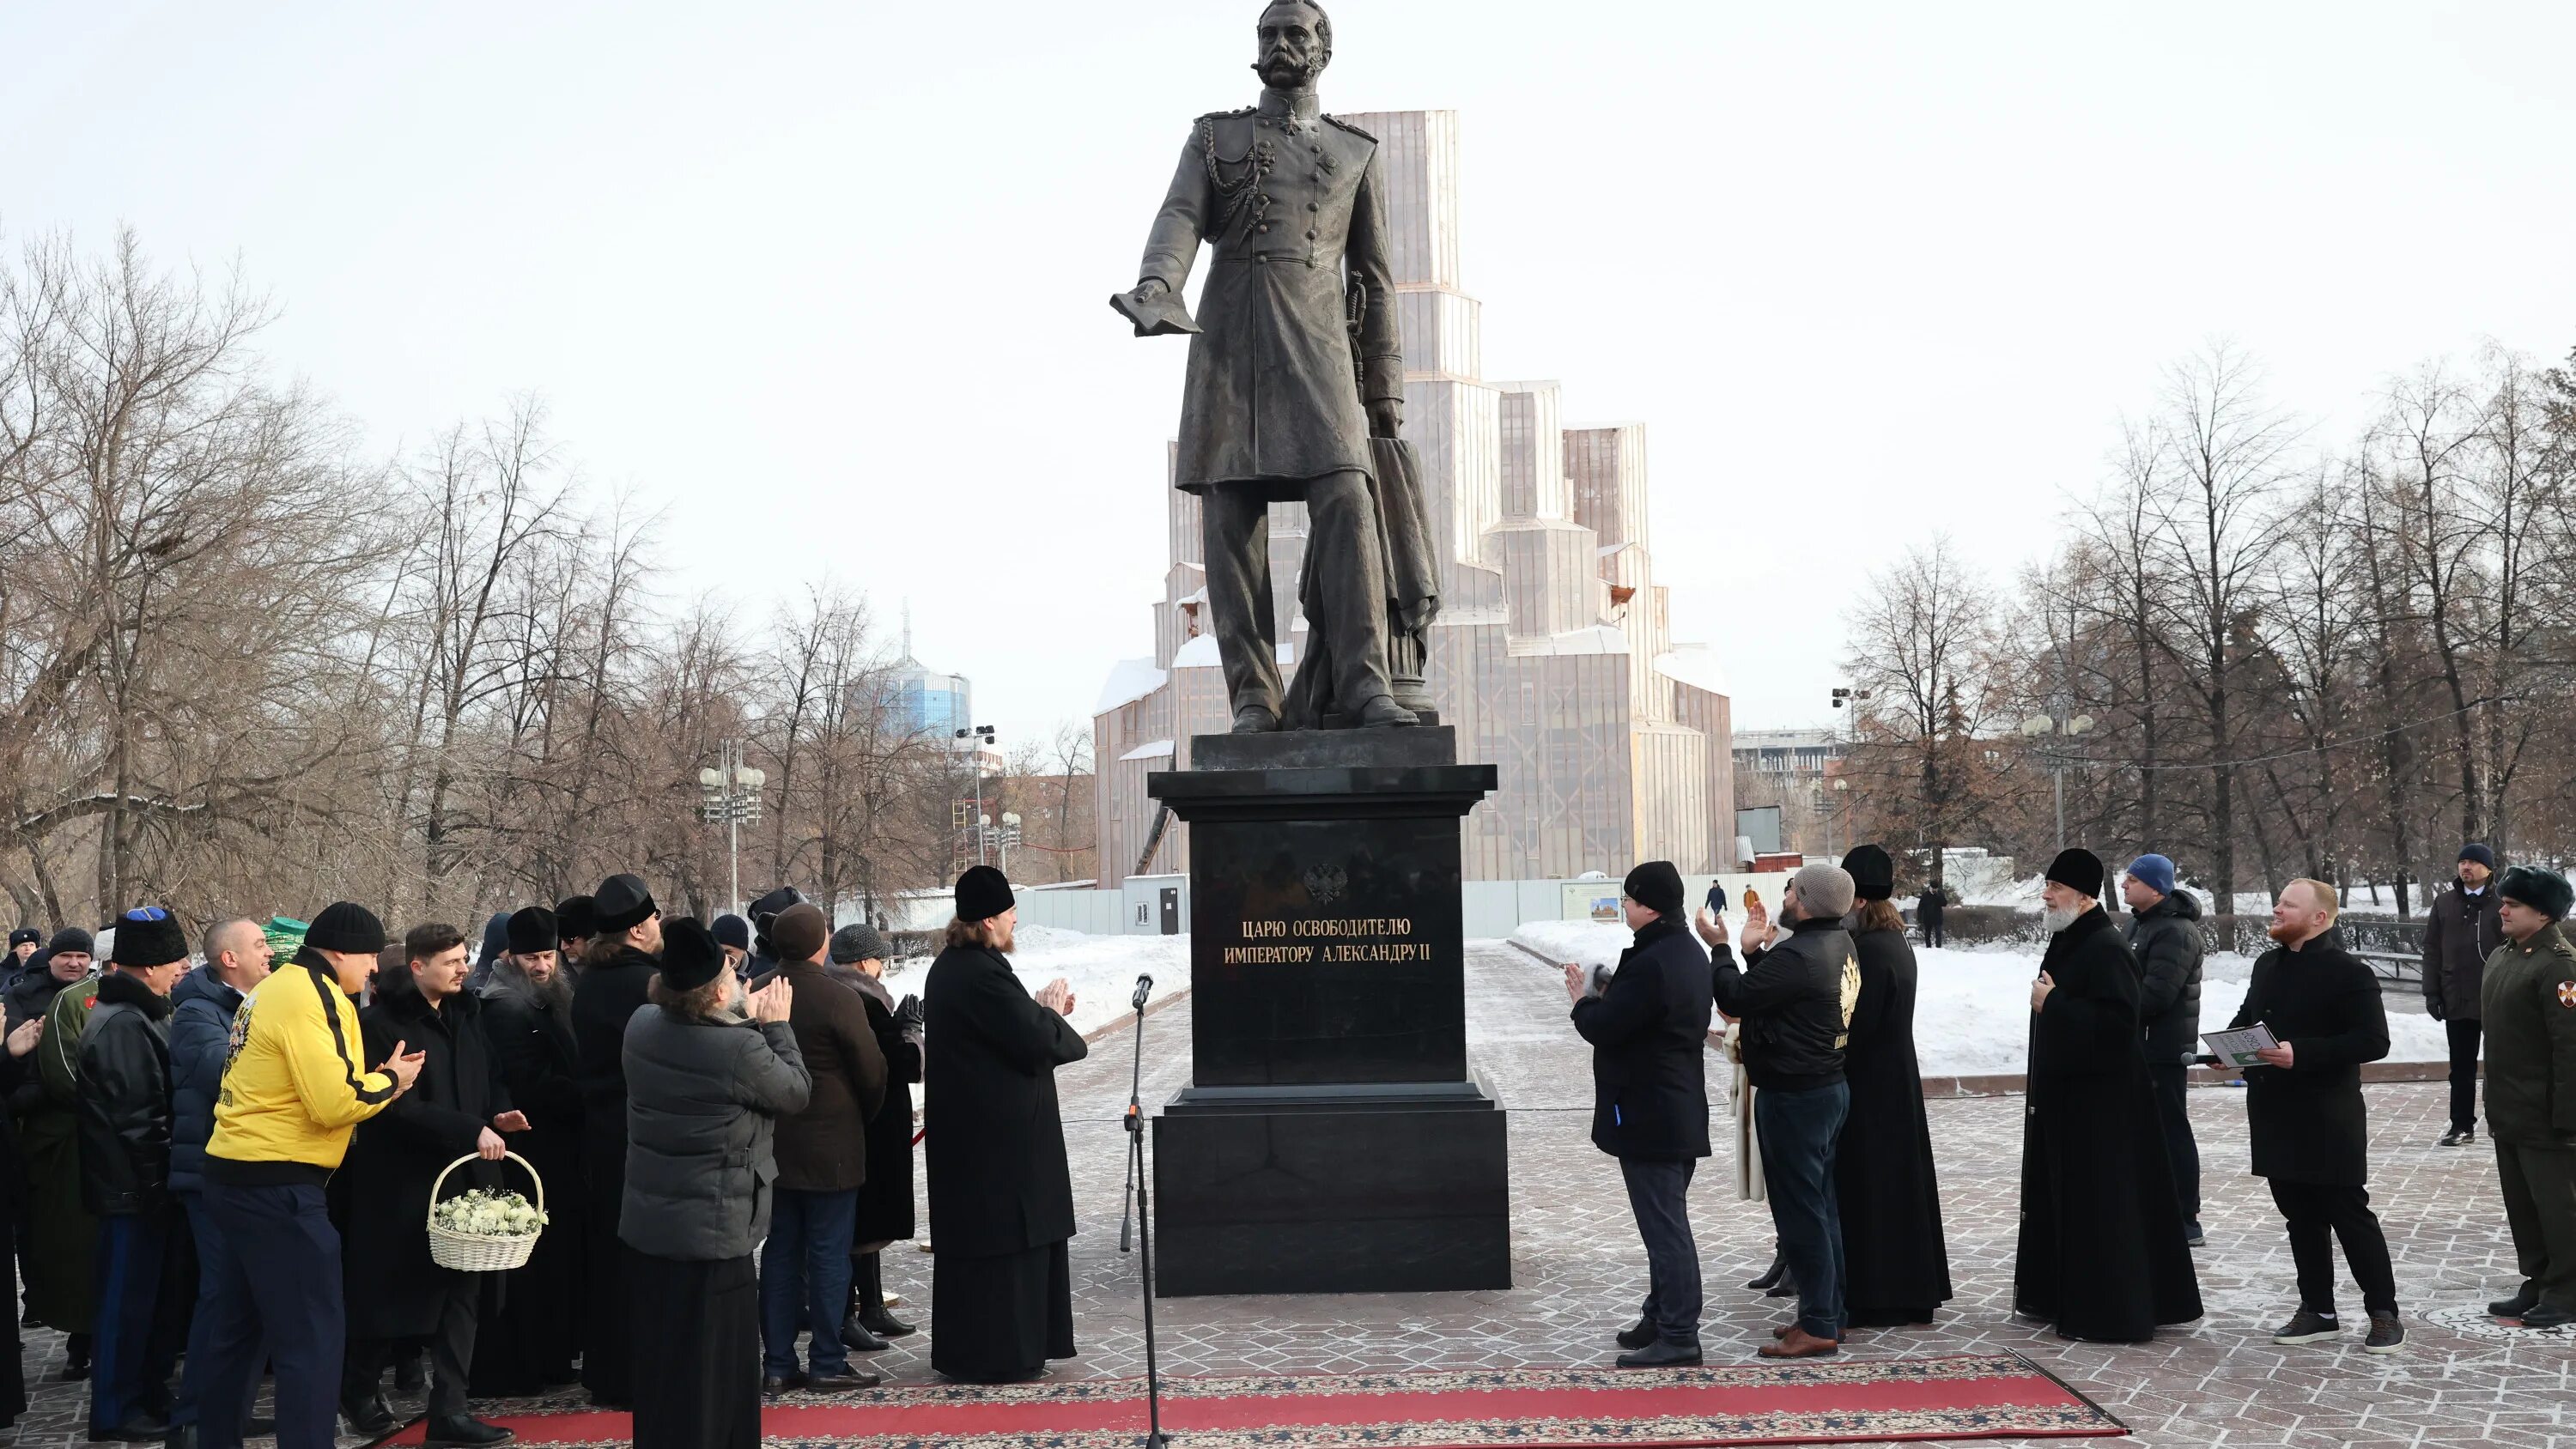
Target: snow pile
{"points": [[1102, 969], [1972, 1007]]}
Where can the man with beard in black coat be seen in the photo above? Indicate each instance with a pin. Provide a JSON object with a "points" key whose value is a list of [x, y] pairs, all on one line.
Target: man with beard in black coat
{"points": [[1896, 1262], [2101, 1252], [459, 1107], [1001, 1193], [615, 981], [2311, 1133], [1649, 1034], [2164, 934], [532, 1316]]}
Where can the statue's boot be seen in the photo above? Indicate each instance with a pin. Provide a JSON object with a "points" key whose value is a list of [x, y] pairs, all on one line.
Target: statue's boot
{"points": [[1255, 719], [1382, 712]]}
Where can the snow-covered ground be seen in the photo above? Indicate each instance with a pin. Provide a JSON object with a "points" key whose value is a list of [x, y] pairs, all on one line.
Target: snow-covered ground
{"points": [[1102, 969], [1972, 1007]]}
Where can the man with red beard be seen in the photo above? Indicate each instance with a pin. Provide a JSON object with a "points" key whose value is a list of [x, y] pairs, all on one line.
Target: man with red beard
{"points": [[2311, 1133]]}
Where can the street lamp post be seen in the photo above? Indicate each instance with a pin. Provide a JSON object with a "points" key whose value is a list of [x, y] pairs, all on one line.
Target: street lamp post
{"points": [[731, 793], [974, 739], [2056, 723]]}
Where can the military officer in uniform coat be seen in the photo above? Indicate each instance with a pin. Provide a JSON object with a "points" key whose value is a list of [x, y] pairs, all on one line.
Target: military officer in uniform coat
{"points": [[1277, 408], [2528, 1001], [1001, 1193]]}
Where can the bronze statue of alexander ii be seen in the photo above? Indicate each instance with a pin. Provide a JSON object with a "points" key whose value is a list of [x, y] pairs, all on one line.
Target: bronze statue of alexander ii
{"points": [[1295, 390]]}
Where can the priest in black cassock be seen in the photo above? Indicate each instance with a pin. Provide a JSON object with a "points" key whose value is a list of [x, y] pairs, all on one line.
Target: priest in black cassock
{"points": [[2102, 1253], [1896, 1265], [1001, 1193]]}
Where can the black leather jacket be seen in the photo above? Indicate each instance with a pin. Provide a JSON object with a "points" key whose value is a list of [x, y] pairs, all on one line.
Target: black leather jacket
{"points": [[1790, 999], [125, 1099]]}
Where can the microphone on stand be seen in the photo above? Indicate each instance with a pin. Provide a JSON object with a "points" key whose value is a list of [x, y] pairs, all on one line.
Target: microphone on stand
{"points": [[1144, 988]]}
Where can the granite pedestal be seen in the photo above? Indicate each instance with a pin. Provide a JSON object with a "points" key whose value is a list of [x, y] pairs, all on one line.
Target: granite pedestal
{"points": [[1333, 1138]]}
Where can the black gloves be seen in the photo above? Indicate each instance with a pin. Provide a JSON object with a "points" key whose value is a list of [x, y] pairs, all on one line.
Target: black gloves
{"points": [[908, 1014]]}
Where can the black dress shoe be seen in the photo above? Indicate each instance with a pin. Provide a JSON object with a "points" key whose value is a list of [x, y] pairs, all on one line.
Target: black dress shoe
{"points": [[465, 1429], [409, 1376], [787, 1385], [1661, 1354], [2459, 1136], [1771, 1275], [868, 1296], [2545, 1316], [1637, 1335], [142, 1429], [2522, 1302], [368, 1415], [1787, 1287], [183, 1436], [75, 1369], [856, 1337], [848, 1380]]}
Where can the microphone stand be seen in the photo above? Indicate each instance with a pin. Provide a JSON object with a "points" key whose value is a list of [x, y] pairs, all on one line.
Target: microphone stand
{"points": [[1138, 1212]]}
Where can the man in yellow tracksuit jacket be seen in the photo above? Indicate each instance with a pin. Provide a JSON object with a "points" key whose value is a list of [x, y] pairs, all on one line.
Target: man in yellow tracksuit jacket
{"points": [[294, 1085]]}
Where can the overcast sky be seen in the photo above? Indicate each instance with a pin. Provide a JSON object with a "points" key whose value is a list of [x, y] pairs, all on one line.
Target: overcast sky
{"points": [[826, 283]]}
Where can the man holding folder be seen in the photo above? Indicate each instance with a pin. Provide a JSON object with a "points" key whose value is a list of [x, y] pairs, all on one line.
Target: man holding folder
{"points": [[2303, 1104]]}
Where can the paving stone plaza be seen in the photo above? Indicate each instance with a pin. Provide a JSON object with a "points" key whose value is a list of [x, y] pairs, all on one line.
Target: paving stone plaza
{"points": [[1579, 1270]]}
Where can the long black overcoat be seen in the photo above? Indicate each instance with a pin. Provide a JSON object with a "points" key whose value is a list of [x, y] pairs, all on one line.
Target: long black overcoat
{"points": [[999, 1182]]}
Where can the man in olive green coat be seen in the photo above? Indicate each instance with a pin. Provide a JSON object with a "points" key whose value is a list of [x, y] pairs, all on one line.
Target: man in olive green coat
{"points": [[2529, 1004]]}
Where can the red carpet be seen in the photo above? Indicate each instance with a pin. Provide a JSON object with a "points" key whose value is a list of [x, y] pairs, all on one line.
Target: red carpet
{"points": [[1985, 1396]]}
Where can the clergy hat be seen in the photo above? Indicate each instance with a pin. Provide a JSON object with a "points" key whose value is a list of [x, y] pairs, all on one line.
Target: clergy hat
{"points": [[2545, 891], [982, 894], [149, 936], [2079, 871], [621, 904], [1873, 873], [1657, 886], [690, 956], [533, 929], [346, 927], [766, 908], [573, 920]]}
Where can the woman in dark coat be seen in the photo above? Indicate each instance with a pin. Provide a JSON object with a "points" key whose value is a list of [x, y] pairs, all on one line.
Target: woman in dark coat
{"points": [[14, 1066], [885, 1199], [705, 1086], [2101, 1251], [456, 1108], [616, 976], [531, 1330], [1001, 1194], [1896, 1264]]}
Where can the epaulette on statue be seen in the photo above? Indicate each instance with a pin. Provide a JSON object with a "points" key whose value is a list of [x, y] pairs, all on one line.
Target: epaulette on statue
{"points": [[1354, 130], [1228, 115]]}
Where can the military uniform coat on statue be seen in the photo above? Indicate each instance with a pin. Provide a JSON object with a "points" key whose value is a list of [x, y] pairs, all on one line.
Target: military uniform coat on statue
{"points": [[604, 999], [1896, 1262], [1001, 1193], [1287, 201], [2101, 1252], [531, 1330], [393, 1287]]}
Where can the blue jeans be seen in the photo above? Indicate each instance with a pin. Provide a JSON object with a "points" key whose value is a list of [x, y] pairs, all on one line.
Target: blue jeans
{"points": [[1659, 1194], [805, 1277], [215, 1263], [1798, 1131]]}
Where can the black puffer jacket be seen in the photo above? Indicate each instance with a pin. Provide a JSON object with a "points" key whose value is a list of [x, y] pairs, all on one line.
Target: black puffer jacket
{"points": [[703, 1099], [1792, 1003], [1649, 1035], [125, 1099], [2166, 939]]}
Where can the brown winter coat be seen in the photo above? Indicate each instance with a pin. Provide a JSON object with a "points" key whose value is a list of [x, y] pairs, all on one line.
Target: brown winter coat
{"points": [[824, 1148]]}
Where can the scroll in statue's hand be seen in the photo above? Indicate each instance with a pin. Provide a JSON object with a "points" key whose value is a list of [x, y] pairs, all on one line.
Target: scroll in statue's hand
{"points": [[1154, 309]]}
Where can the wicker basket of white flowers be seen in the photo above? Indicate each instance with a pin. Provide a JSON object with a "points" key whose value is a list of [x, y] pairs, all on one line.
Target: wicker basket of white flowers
{"points": [[485, 1231]]}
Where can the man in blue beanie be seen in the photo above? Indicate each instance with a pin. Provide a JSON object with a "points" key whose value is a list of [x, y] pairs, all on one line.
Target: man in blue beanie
{"points": [[2164, 934], [2461, 931]]}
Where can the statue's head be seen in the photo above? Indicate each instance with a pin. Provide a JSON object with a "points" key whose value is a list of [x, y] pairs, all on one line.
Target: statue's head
{"points": [[1296, 44]]}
